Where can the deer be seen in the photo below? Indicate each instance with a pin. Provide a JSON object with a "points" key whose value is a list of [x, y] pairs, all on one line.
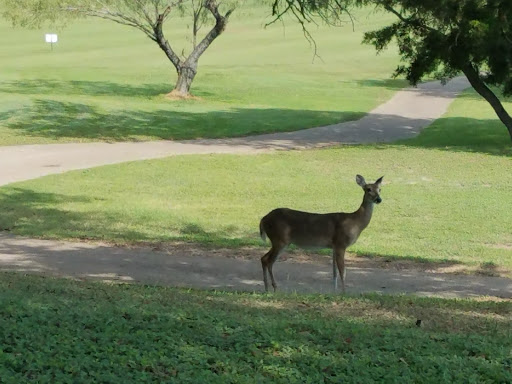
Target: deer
{"points": [[337, 231]]}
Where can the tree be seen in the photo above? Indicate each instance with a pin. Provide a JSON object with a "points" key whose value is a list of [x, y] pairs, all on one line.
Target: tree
{"points": [[147, 16], [435, 37]]}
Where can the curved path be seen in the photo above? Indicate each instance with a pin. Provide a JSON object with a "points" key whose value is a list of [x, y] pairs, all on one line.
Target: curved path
{"points": [[403, 116]]}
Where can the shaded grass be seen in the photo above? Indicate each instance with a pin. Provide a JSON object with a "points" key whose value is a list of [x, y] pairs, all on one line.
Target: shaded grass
{"points": [[81, 122], [431, 211], [470, 125], [95, 332], [106, 82]]}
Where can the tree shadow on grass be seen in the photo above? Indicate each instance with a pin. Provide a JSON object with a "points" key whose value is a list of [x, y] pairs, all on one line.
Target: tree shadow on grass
{"points": [[32, 213], [107, 88], [460, 134], [56, 120], [407, 260], [39, 214], [29, 213], [68, 121], [392, 84], [79, 87]]}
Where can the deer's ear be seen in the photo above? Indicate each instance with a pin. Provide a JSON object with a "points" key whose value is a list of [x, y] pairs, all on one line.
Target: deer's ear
{"points": [[360, 181], [379, 181]]}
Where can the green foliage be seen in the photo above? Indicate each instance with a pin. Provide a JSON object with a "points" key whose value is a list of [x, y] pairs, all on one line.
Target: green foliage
{"points": [[35, 13], [441, 37], [57, 331]]}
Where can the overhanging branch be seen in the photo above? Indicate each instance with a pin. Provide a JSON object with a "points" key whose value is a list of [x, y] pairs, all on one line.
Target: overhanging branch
{"points": [[409, 21], [116, 17]]}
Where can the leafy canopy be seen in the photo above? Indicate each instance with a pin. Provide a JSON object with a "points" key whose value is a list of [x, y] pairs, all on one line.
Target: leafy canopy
{"points": [[434, 37], [441, 37]]}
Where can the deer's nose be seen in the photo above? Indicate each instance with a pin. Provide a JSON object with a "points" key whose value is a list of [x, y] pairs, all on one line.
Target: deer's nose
{"points": [[378, 200]]}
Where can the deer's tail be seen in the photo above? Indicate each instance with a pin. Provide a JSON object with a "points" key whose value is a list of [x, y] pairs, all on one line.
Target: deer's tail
{"points": [[263, 235]]}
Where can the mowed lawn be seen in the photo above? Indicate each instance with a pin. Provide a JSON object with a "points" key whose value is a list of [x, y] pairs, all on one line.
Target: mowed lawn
{"points": [[104, 81], [58, 331], [442, 201]]}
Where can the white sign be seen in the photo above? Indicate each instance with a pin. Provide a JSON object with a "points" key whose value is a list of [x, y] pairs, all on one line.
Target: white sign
{"points": [[51, 38]]}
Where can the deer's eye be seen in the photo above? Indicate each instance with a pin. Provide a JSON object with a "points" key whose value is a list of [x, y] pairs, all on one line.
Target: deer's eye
{"points": [[368, 190]]}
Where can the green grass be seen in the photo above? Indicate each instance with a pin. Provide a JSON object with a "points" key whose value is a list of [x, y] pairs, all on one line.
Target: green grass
{"points": [[77, 332], [107, 82]]}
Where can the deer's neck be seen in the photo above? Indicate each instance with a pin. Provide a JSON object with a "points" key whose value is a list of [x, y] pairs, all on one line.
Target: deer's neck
{"points": [[364, 213]]}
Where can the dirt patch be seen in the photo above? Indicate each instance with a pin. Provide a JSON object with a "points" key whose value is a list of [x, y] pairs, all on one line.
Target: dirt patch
{"points": [[193, 266], [178, 96]]}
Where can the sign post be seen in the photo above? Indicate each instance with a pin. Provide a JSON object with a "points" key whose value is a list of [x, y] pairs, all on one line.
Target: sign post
{"points": [[51, 38]]}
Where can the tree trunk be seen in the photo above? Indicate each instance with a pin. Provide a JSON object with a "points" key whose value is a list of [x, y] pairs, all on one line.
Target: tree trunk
{"points": [[186, 75], [484, 91], [187, 69]]}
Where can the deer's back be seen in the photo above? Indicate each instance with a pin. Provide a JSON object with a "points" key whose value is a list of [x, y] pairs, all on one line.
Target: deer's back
{"points": [[302, 228]]}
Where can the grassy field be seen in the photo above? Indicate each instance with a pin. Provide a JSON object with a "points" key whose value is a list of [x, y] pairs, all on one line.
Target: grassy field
{"points": [[442, 201], [66, 331], [107, 82]]}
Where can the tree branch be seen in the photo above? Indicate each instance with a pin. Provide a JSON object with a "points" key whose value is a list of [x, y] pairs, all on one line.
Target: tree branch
{"points": [[162, 41], [302, 17], [145, 14], [409, 21], [116, 17], [218, 28]]}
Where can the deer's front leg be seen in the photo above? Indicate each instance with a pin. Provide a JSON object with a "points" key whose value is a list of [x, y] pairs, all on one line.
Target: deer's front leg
{"points": [[339, 255], [334, 271]]}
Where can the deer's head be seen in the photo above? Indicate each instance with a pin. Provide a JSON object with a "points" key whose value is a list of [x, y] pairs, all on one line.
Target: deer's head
{"points": [[371, 191]]}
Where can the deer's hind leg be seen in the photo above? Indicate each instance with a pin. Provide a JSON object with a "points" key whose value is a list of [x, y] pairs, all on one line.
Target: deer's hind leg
{"points": [[334, 271], [268, 260], [339, 260]]}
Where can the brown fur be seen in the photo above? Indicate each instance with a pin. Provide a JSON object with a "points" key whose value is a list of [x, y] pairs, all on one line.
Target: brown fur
{"points": [[338, 231]]}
